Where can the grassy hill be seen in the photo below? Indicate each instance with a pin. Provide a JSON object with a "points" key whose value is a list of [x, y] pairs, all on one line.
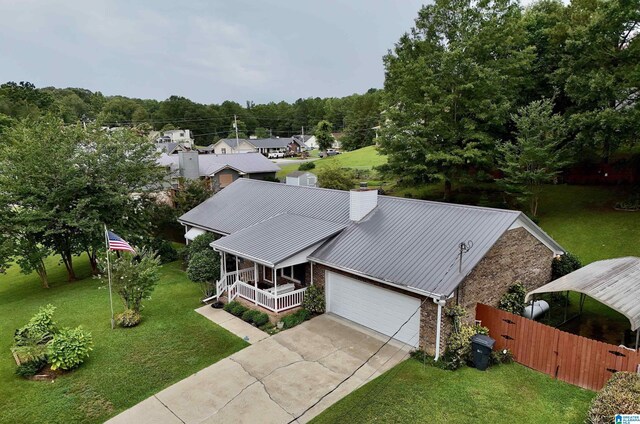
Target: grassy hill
{"points": [[362, 159]]}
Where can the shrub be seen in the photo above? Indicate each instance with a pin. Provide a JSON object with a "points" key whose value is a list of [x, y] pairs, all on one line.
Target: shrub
{"points": [[238, 309], [164, 248], [296, 318], [250, 315], [564, 265], [261, 319], [201, 243], [69, 348], [32, 352], [314, 301], [204, 269], [134, 278], [503, 356], [621, 395], [336, 178], [128, 318], [39, 329], [306, 166], [30, 368], [458, 352], [229, 306], [513, 300]]}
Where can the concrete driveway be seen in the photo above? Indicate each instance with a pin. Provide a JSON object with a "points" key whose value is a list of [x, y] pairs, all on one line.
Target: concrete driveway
{"points": [[275, 379]]}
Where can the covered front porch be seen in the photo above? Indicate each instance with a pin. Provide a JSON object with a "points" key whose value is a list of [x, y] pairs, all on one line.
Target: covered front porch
{"points": [[267, 265], [255, 283]]}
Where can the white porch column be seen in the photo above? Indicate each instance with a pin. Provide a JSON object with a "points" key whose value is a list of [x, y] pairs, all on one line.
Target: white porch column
{"points": [[237, 268], [275, 287], [311, 273], [255, 281]]}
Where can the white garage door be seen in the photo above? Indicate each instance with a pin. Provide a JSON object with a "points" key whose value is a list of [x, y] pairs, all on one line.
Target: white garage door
{"points": [[379, 309]]}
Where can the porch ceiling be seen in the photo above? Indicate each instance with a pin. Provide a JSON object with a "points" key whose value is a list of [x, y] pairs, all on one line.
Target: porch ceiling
{"points": [[278, 238]]}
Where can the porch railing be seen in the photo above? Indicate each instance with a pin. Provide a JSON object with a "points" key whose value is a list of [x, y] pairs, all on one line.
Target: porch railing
{"points": [[272, 302]]}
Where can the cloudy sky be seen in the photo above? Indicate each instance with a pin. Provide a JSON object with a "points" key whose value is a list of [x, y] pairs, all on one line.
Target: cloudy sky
{"points": [[208, 51]]}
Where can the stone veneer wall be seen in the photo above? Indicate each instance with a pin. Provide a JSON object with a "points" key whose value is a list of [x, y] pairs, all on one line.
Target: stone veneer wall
{"points": [[516, 256]]}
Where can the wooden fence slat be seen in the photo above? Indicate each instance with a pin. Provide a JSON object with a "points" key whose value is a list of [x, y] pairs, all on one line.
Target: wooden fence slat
{"points": [[571, 358]]}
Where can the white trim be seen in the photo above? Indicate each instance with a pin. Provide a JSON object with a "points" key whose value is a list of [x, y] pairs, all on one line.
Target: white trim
{"points": [[264, 273]]}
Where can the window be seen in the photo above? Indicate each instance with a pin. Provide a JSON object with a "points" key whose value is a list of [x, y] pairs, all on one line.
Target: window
{"points": [[267, 276], [287, 272], [224, 151], [294, 273]]}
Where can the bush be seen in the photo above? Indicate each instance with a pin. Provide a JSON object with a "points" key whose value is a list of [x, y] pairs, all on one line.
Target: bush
{"points": [[135, 278], [250, 315], [128, 318], [306, 166], [513, 300], [32, 352], [204, 269], [564, 265], [314, 301], [261, 319], [201, 243], [69, 348], [31, 368], [238, 309], [229, 306], [458, 353], [39, 329], [503, 356], [164, 248], [621, 395], [296, 318], [336, 178]]}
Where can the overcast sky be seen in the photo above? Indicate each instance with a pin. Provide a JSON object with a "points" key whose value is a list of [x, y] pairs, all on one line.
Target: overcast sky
{"points": [[208, 51]]}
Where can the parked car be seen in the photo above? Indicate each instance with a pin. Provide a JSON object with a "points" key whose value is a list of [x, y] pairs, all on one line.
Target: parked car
{"points": [[275, 155], [329, 152]]}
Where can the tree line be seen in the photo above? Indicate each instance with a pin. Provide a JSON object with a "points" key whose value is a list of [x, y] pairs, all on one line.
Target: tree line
{"points": [[354, 116], [477, 87]]}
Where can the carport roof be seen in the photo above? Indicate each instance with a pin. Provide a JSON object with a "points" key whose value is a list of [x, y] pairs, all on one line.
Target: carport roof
{"points": [[614, 282], [276, 239]]}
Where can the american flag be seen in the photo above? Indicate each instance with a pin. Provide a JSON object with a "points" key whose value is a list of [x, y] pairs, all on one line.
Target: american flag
{"points": [[117, 243]]}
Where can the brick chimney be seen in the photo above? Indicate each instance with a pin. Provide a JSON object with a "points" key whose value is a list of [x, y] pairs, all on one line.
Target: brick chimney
{"points": [[362, 201]]}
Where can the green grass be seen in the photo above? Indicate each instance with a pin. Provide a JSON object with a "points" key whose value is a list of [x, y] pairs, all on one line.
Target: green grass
{"points": [[413, 393], [362, 159], [583, 221], [126, 365]]}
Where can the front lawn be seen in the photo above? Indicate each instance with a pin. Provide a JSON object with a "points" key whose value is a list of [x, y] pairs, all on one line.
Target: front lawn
{"points": [[363, 159], [412, 392], [126, 365]]}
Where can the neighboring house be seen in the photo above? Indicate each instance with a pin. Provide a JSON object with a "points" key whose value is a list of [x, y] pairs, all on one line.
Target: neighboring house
{"points": [[302, 178], [178, 136], [218, 170], [231, 145], [382, 260], [309, 141], [261, 145], [172, 148]]}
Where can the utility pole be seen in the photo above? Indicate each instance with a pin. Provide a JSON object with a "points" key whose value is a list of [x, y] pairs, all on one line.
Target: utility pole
{"points": [[235, 125]]}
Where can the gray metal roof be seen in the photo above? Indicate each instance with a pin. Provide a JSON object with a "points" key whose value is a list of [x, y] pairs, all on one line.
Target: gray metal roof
{"points": [[404, 242], [272, 241], [271, 143], [246, 202], [415, 243], [614, 282], [209, 164]]}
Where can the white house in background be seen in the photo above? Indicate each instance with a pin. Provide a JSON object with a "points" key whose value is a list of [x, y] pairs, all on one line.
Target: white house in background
{"points": [[231, 145], [309, 141], [302, 178], [178, 136]]}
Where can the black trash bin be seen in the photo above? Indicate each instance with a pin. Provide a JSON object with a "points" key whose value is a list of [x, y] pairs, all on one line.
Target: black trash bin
{"points": [[482, 346]]}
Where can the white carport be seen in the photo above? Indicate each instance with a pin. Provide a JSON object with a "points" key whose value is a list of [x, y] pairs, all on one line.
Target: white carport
{"points": [[613, 282], [192, 233]]}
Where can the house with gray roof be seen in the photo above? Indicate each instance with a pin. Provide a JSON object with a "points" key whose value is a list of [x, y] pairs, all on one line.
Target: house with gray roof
{"points": [[218, 170], [284, 145], [387, 263]]}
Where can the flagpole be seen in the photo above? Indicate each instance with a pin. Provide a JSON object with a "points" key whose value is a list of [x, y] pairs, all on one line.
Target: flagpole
{"points": [[106, 240]]}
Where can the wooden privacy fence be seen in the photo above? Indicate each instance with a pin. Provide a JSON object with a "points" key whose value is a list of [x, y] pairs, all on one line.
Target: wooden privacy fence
{"points": [[575, 359]]}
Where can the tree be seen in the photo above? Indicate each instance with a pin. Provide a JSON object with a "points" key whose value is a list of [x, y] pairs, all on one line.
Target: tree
{"points": [[534, 159], [204, 268], [261, 132], [337, 178], [600, 73], [361, 119], [134, 278], [323, 135], [89, 178], [190, 195], [242, 130], [449, 88]]}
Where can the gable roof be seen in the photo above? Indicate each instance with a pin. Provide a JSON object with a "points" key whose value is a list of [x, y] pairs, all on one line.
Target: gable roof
{"points": [[210, 164], [231, 142], [299, 173], [270, 242], [403, 242]]}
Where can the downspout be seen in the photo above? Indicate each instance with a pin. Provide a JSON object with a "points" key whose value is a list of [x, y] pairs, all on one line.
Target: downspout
{"points": [[440, 302]]}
